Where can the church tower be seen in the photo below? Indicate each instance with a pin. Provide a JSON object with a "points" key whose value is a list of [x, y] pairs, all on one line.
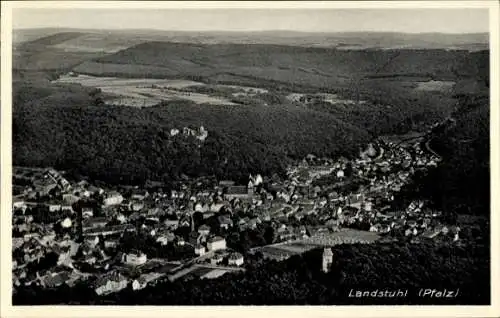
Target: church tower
{"points": [[250, 188], [327, 259]]}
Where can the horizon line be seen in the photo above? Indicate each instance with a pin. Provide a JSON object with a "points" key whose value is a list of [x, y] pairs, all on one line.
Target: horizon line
{"points": [[248, 31]]}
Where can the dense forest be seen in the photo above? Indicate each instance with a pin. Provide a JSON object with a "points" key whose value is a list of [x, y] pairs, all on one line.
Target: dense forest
{"points": [[61, 128], [461, 183], [299, 280]]}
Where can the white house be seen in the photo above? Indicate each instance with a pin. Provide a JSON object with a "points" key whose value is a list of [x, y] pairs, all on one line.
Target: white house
{"points": [[225, 222], [375, 227], [19, 204], [200, 207], [444, 230], [327, 259], [70, 198], [135, 258], [180, 241], [235, 259], [162, 239], [66, 223], [54, 207], [144, 279], [139, 283], [139, 195], [87, 212], [367, 206], [174, 131], [216, 207], [216, 243], [204, 229], [137, 206], [199, 250], [67, 208], [110, 284], [113, 198], [340, 174], [172, 224], [258, 180], [121, 218]]}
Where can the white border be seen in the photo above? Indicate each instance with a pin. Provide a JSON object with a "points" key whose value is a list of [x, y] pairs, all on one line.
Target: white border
{"points": [[250, 4], [7, 310]]}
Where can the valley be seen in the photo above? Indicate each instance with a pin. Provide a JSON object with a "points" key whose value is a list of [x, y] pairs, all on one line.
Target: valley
{"points": [[243, 168]]}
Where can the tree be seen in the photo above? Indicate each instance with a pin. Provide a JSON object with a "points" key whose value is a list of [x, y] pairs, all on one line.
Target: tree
{"points": [[198, 219], [269, 234]]}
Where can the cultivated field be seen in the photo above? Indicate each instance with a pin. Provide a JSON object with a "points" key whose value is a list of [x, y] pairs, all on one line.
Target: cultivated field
{"points": [[435, 85], [143, 92], [332, 99], [344, 236], [282, 251]]}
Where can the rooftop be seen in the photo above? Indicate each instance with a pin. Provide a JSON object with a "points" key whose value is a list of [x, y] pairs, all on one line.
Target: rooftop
{"points": [[216, 239], [237, 190]]}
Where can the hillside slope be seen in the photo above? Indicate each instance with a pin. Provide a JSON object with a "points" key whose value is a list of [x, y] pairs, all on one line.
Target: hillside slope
{"points": [[118, 144], [461, 183], [92, 39], [310, 67], [55, 125]]}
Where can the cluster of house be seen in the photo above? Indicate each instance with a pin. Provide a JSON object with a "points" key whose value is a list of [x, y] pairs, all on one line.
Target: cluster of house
{"points": [[41, 182], [201, 134], [382, 173], [210, 212]]}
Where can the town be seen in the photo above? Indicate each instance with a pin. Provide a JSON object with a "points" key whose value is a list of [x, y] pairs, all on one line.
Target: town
{"points": [[66, 231]]}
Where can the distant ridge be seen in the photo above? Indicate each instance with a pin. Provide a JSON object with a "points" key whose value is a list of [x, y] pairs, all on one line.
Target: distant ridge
{"points": [[95, 39], [92, 30]]}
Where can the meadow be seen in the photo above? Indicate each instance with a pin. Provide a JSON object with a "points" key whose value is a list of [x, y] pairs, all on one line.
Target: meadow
{"points": [[142, 92]]}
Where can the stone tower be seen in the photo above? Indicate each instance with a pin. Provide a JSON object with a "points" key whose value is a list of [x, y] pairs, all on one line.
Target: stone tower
{"points": [[327, 259], [250, 188]]}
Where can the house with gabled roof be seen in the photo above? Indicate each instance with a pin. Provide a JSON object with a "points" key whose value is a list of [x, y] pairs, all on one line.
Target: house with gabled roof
{"points": [[235, 259], [52, 280], [204, 229], [110, 283], [216, 243], [225, 222]]}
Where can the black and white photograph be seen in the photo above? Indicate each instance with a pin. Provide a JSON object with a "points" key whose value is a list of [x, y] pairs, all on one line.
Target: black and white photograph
{"points": [[239, 155]]}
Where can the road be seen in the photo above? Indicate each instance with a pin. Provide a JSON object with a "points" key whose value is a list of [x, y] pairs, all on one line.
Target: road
{"points": [[429, 149], [226, 268]]}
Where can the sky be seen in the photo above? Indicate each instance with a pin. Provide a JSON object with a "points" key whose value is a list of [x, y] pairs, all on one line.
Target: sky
{"points": [[453, 20]]}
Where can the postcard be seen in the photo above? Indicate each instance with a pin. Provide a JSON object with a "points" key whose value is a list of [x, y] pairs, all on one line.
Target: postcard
{"points": [[250, 158]]}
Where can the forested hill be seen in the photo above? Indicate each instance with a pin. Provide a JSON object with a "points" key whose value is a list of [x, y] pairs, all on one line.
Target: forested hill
{"points": [[461, 183], [122, 144], [64, 127], [302, 66]]}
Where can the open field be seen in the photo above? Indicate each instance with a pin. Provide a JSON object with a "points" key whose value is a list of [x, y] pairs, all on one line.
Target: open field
{"points": [[92, 81], [435, 85], [282, 251], [332, 99], [344, 236], [142, 92]]}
